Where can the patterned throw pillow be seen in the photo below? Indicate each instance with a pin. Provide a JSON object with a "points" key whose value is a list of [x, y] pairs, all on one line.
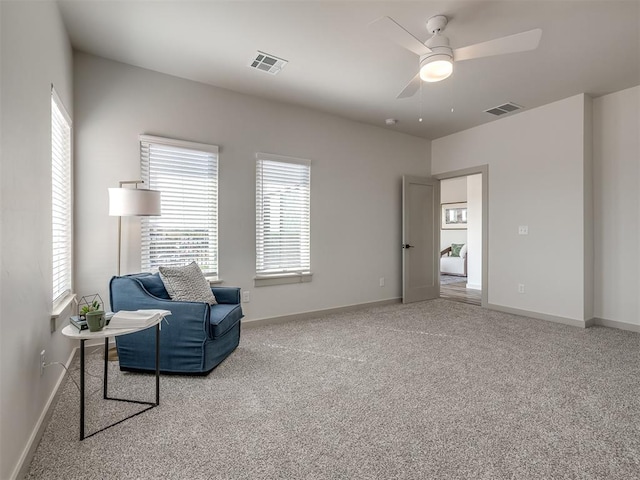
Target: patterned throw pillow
{"points": [[187, 284], [455, 249]]}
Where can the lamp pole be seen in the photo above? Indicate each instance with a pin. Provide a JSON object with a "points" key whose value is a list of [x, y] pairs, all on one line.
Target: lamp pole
{"points": [[122, 183]]}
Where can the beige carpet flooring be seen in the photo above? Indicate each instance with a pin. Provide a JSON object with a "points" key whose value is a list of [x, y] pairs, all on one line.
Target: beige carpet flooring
{"points": [[433, 390]]}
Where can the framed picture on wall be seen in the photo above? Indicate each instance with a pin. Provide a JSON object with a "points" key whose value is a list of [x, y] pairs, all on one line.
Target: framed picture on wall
{"points": [[454, 216]]}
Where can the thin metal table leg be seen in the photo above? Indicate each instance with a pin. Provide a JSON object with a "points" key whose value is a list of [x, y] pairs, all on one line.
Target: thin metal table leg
{"points": [[106, 361], [82, 389], [158, 364], [105, 385]]}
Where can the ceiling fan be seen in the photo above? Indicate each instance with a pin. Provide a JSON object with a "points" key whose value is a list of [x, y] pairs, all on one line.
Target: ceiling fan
{"points": [[437, 57]]}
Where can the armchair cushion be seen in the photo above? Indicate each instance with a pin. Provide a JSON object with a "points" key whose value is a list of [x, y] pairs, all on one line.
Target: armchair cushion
{"points": [[455, 249]]}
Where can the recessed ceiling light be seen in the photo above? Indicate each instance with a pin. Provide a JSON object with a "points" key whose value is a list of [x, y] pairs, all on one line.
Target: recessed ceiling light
{"points": [[391, 121]]}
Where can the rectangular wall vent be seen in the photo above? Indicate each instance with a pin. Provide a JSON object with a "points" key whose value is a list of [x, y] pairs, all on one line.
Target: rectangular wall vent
{"points": [[502, 109], [268, 63]]}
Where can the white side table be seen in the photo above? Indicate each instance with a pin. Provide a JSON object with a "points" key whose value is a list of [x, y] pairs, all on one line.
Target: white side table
{"points": [[84, 335]]}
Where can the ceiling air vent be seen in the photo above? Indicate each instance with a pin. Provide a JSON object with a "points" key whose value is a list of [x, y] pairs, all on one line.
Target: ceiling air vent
{"points": [[267, 63], [502, 109]]}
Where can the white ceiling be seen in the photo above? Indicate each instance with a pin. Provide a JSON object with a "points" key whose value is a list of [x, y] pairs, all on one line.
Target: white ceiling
{"points": [[339, 65]]}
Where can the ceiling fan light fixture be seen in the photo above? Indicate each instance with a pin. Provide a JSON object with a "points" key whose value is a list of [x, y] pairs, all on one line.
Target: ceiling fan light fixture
{"points": [[436, 68]]}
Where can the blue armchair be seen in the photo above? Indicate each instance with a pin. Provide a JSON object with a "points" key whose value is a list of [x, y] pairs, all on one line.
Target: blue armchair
{"points": [[196, 336]]}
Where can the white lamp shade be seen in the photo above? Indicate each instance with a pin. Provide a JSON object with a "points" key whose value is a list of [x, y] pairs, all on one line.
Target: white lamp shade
{"points": [[133, 202]]}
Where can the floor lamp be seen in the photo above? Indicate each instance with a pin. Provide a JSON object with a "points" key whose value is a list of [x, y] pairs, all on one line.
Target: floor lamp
{"points": [[132, 202]]}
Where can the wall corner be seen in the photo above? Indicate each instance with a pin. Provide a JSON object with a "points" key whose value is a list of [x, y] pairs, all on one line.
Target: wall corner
{"points": [[588, 208]]}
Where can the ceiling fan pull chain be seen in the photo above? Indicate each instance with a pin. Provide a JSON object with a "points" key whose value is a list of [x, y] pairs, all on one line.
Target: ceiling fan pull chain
{"points": [[420, 118], [453, 96]]}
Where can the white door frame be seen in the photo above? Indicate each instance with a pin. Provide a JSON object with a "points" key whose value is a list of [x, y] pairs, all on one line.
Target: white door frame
{"points": [[484, 170]]}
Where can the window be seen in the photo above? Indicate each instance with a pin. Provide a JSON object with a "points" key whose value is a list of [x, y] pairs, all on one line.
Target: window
{"points": [[187, 175], [61, 194], [282, 216]]}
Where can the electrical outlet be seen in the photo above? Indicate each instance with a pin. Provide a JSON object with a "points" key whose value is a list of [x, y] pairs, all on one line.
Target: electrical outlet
{"points": [[521, 288], [246, 296], [523, 230], [42, 361], [382, 281]]}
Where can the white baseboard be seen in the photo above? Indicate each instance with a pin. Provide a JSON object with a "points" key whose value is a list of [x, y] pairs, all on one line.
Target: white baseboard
{"points": [[29, 451], [539, 316], [316, 313], [603, 322]]}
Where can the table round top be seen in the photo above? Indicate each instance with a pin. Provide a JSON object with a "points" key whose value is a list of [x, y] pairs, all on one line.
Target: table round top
{"points": [[72, 332]]}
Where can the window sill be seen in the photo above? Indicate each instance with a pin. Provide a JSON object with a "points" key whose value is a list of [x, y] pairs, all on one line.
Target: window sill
{"points": [[281, 279], [64, 305], [61, 305], [214, 281]]}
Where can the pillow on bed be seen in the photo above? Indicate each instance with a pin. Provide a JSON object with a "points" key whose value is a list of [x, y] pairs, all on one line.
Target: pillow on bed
{"points": [[187, 284]]}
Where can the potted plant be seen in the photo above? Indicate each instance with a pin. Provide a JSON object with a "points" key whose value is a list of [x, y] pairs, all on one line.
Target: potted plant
{"points": [[94, 314], [89, 307]]}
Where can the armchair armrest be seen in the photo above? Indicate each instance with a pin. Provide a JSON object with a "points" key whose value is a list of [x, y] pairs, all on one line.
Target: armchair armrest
{"points": [[446, 251], [226, 294]]}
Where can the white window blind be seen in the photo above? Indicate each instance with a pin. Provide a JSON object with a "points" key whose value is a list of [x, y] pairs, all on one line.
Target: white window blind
{"points": [[187, 175], [283, 188], [61, 194]]}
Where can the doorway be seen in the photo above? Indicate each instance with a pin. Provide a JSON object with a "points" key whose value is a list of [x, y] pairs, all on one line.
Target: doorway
{"points": [[463, 236]]}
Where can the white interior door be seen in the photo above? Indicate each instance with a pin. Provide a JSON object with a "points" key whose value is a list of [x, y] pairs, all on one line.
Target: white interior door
{"points": [[420, 238]]}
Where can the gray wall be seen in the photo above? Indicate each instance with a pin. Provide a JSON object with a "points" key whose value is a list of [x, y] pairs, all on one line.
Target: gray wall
{"points": [[616, 159], [536, 162], [570, 171], [35, 53], [355, 182]]}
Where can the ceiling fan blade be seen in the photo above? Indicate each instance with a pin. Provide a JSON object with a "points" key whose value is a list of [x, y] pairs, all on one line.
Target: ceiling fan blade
{"points": [[411, 88], [520, 42], [396, 33]]}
